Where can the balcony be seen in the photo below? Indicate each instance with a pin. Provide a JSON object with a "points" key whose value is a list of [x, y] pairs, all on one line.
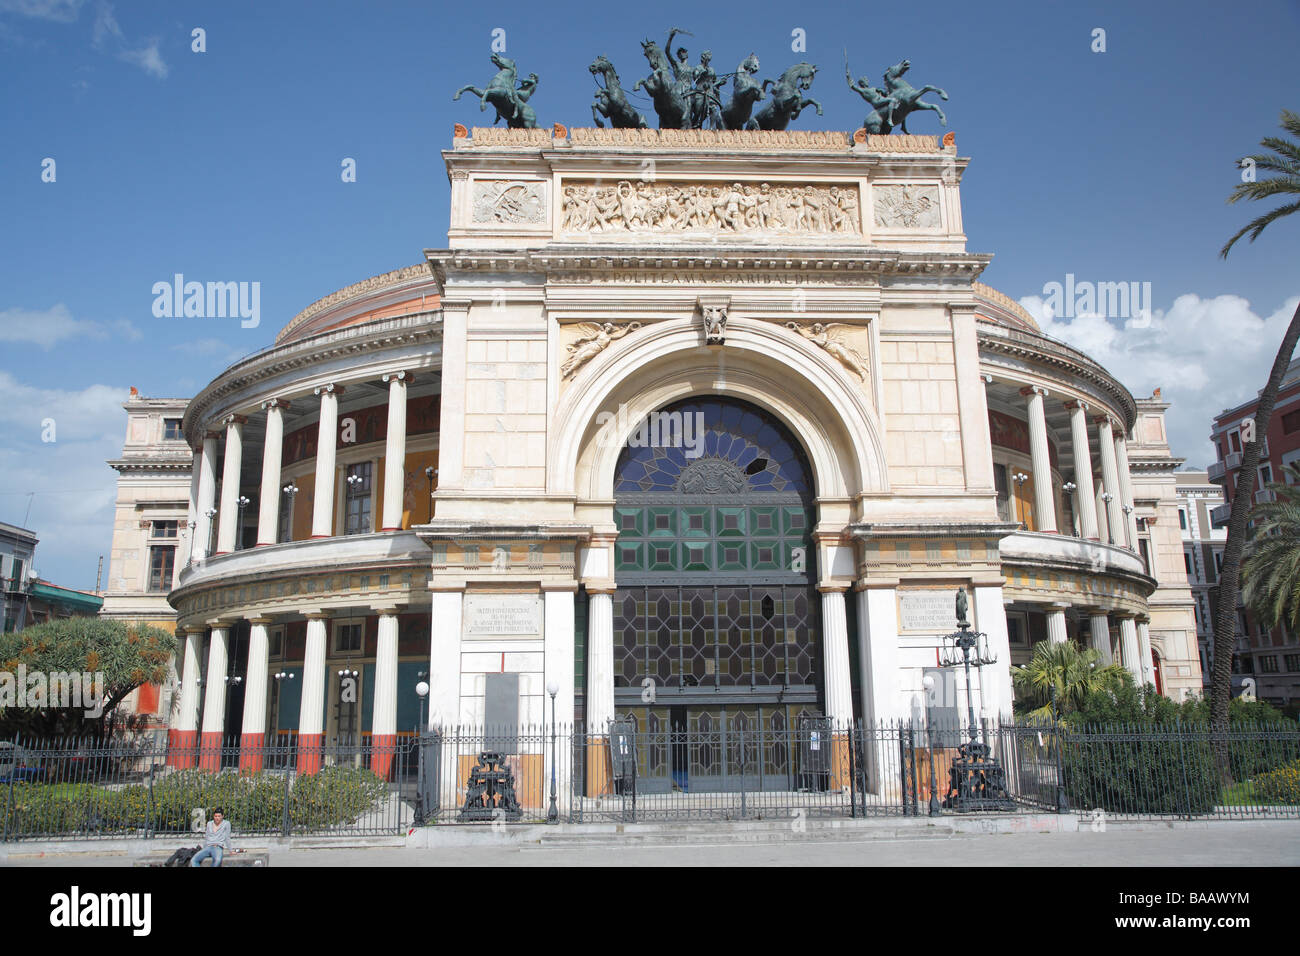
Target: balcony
{"points": [[1216, 472], [1219, 516], [1062, 551], [1265, 495]]}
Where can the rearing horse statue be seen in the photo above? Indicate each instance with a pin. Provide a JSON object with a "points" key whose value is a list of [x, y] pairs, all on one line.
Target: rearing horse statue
{"points": [[907, 98], [745, 92], [511, 103], [671, 106], [611, 102], [787, 99]]}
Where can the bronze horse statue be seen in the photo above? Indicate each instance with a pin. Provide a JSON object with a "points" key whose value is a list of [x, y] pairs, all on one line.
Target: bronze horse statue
{"points": [[671, 102], [745, 92], [908, 98], [511, 103], [611, 102], [787, 97]]}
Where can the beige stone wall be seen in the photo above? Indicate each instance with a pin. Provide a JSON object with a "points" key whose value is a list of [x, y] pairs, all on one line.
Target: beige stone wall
{"points": [[920, 408], [505, 413]]}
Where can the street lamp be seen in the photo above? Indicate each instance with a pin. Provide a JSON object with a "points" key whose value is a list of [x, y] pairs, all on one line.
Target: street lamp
{"points": [[552, 813], [422, 690], [243, 503], [1107, 498], [1069, 488], [928, 683], [429, 473]]}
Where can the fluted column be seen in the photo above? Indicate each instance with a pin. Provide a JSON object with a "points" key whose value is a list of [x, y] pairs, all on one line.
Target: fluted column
{"points": [[192, 511], [228, 518], [1128, 648], [214, 701], [207, 498], [268, 507], [835, 646], [183, 736], [383, 725], [311, 713], [395, 451], [1126, 491], [558, 667], [1110, 481], [1040, 458], [1144, 651], [322, 515], [1099, 627], [600, 662], [1056, 632], [252, 733], [1085, 494]]}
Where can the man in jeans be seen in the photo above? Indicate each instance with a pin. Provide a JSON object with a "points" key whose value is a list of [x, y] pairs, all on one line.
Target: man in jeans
{"points": [[216, 839]]}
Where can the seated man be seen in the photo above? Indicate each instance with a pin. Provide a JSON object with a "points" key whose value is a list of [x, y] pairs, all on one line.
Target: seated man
{"points": [[216, 839]]}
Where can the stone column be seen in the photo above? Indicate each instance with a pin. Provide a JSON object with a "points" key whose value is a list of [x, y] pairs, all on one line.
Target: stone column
{"points": [[183, 736], [1128, 648], [214, 701], [268, 505], [252, 734], [311, 713], [322, 515], [1144, 652], [839, 687], [1110, 481], [558, 667], [444, 688], [879, 680], [228, 517], [395, 451], [600, 662], [192, 512], [1099, 628], [1126, 491], [1044, 501], [1056, 632], [991, 618], [383, 724], [207, 498], [1085, 494]]}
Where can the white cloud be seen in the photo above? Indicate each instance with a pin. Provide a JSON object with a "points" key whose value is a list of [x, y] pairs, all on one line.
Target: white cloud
{"points": [[49, 327], [60, 11], [72, 511], [109, 36], [1204, 354]]}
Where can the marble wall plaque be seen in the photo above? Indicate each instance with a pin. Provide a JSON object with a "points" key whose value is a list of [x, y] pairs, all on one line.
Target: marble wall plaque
{"points": [[503, 615], [933, 611]]}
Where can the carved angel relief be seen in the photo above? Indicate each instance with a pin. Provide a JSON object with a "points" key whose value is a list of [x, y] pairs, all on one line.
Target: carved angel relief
{"points": [[593, 338], [835, 340]]}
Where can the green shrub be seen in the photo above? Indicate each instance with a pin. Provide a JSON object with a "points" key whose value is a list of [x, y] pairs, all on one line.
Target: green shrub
{"points": [[1280, 786]]}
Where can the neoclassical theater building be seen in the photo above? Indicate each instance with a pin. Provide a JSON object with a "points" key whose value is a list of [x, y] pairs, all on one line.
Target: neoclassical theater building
{"points": [[691, 426]]}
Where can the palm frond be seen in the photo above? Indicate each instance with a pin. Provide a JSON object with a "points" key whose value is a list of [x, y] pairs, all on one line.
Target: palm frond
{"points": [[1256, 226]]}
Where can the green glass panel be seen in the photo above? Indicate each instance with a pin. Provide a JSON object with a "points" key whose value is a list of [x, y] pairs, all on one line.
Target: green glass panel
{"points": [[794, 521], [697, 522], [731, 522], [766, 555], [730, 555], [695, 556], [630, 521], [661, 555], [661, 522], [631, 555]]}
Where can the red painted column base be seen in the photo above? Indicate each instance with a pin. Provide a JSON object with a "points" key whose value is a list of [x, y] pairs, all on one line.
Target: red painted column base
{"points": [[250, 753], [310, 757], [180, 748], [210, 750], [382, 749]]}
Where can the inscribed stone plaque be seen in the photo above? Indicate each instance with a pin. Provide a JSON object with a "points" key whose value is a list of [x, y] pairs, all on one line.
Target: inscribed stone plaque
{"points": [[502, 615], [931, 610]]}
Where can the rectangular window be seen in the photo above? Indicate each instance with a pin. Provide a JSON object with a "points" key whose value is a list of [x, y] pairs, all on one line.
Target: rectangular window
{"points": [[161, 561], [172, 430], [1293, 662], [16, 575], [1291, 421], [1268, 664], [347, 638], [284, 522], [1182, 519], [1218, 562], [275, 643], [1235, 440], [163, 529], [1004, 494], [1187, 562], [356, 500]]}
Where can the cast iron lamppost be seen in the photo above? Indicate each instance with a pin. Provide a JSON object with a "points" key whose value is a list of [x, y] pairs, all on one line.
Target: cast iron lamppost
{"points": [[422, 691], [1062, 803], [429, 473], [928, 683], [239, 532], [978, 778], [1107, 497], [1069, 488], [552, 813]]}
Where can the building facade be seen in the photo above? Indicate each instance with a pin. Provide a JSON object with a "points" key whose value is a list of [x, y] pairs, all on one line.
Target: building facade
{"points": [[17, 551], [693, 428], [1273, 656]]}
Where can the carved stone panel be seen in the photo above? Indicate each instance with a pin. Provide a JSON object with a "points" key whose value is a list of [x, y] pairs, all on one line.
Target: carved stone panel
{"points": [[505, 201], [628, 206], [906, 207]]}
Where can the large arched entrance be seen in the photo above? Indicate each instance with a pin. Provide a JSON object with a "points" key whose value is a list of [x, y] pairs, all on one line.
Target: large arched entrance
{"points": [[717, 648]]}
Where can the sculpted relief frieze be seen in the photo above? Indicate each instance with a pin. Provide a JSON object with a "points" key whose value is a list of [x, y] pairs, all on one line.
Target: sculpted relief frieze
{"points": [[906, 207], [781, 209], [504, 201]]}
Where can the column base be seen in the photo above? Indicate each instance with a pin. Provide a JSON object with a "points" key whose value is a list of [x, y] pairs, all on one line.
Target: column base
{"points": [[383, 747], [210, 750], [310, 752], [180, 748], [390, 529], [251, 752]]}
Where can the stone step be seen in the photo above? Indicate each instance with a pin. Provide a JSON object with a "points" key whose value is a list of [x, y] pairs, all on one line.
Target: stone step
{"points": [[748, 831]]}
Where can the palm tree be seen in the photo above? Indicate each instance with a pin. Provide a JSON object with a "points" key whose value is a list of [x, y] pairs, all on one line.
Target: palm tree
{"points": [[1074, 672], [1284, 160], [1270, 566]]}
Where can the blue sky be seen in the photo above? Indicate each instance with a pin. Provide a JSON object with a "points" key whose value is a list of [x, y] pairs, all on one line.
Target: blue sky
{"points": [[225, 165]]}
